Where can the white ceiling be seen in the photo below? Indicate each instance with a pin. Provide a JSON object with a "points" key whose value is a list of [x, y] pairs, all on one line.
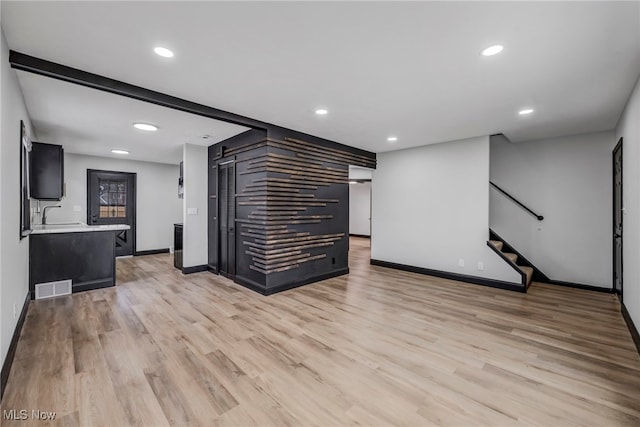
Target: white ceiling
{"points": [[410, 69], [89, 121]]}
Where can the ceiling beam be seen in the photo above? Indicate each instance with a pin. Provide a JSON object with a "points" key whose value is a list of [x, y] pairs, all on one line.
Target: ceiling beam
{"points": [[31, 64]]}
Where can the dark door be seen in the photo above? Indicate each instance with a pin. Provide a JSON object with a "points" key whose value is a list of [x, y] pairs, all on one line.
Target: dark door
{"points": [[111, 199], [617, 219], [227, 218]]}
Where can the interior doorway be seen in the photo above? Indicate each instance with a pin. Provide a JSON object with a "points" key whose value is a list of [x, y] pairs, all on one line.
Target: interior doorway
{"points": [[618, 211], [360, 201], [360, 208], [359, 217], [111, 199]]}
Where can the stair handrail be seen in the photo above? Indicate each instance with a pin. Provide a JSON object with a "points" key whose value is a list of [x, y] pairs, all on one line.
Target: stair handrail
{"points": [[518, 202]]}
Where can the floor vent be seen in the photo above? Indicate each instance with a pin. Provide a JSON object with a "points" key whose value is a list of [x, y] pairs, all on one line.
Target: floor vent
{"points": [[53, 289]]}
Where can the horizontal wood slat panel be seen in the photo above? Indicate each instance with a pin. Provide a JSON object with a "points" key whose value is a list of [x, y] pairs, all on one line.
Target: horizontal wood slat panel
{"points": [[272, 180], [300, 146], [288, 266], [270, 189], [293, 263], [281, 257], [276, 256], [299, 247], [278, 232], [274, 203], [279, 235], [291, 161], [265, 227], [280, 212], [244, 148], [301, 175], [280, 208], [297, 221], [285, 217], [277, 270], [272, 223], [326, 154], [278, 194], [312, 147], [282, 185], [293, 199], [278, 163], [288, 245], [274, 242]]}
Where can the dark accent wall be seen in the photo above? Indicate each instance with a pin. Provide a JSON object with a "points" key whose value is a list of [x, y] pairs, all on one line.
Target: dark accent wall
{"points": [[239, 148], [292, 207]]}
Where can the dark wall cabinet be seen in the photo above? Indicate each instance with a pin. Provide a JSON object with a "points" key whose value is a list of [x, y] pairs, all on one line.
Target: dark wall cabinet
{"points": [[47, 171]]}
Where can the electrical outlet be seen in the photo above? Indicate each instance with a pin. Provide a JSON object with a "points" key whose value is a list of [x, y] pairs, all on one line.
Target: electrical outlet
{"points": [[15, 310], [77, 208], [480, 265], [192, 211], [461, 262]]}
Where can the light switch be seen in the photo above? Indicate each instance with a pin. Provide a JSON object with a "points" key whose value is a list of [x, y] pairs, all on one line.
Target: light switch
{"points": [[192, 211]]}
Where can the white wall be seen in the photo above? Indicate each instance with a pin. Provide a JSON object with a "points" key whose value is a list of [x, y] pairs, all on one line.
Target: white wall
{"points": [[359, 172], [629, 129], [360, 208], [431, 208], [568, 180], [14, 253], [157, 203], [195, 198]]}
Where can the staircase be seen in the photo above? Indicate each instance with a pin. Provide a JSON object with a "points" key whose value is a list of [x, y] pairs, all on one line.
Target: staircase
{"points": [[526, 269], [512, 259]]}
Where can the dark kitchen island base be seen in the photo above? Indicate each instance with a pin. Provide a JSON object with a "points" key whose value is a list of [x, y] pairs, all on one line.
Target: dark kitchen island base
{"points": [[85, 258]]}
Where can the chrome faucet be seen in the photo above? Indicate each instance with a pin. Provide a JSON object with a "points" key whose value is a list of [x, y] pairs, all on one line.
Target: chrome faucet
{"points": [[44, 213]]}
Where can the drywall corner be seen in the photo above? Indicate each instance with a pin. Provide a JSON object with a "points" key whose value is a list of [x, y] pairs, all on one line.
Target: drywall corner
{"points": [[195, 251]]}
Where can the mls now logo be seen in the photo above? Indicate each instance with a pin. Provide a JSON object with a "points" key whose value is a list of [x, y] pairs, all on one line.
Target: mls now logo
{"points": [[15, 414], [23, 414], [37, 414]]}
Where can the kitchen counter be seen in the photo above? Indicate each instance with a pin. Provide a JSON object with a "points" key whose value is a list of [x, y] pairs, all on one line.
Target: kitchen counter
{"points": [[74, 252], [78, 227]]}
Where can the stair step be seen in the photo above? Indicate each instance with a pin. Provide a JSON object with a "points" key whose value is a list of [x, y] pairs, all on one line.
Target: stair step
{"points": [[529, 272], [512, 257], [497, 243]]}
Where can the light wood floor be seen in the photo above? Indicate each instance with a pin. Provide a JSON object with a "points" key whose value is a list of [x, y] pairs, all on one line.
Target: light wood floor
{"points": [[378, 347]]}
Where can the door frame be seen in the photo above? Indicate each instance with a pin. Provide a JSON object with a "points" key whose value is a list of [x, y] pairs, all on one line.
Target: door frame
{"points": [[134, 195], [220, 167], [613, 219]]}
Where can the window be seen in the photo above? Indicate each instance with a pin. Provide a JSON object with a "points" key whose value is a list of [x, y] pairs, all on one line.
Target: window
{"points": [[25, 202], [113, 198]]}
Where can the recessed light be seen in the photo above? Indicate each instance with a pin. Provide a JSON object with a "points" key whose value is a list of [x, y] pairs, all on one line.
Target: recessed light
{"points": [[163, 51], [392, 139], [119, 151], [146, 126], [525, 111], [492, 50], [321, 111], [353, 182]]}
